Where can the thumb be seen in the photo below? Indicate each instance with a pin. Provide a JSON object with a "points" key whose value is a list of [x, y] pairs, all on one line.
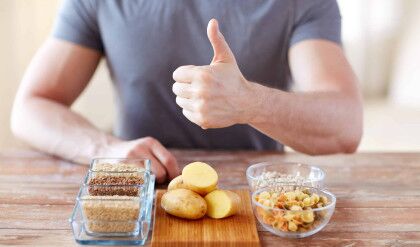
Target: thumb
{"points": [[222, 52]]}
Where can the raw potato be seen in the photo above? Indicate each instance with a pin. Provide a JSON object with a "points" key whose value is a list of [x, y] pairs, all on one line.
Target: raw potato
{"points": [[177, 183], [222, 203], [184, 204], [200, 177]]}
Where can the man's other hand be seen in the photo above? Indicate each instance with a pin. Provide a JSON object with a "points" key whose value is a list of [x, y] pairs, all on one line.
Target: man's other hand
{"points": [[164, 164]]}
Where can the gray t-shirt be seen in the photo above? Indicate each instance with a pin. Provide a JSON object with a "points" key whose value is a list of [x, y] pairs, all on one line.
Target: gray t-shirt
{"points": [[144, 41]]}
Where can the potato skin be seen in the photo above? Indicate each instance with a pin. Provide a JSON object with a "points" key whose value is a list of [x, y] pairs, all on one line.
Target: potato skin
{"points": [[177, 183], [184, 203]]}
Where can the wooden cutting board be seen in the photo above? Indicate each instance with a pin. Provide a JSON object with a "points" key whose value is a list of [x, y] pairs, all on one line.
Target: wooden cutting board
{"points": [[237, 230]]}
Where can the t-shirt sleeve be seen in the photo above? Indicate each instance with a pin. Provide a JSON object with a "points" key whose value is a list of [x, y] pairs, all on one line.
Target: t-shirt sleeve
{"points": [[316, 19], [77, 23]]}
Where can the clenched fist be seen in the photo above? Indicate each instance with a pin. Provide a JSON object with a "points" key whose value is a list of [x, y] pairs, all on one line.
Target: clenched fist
{"points": [[215, 95]]}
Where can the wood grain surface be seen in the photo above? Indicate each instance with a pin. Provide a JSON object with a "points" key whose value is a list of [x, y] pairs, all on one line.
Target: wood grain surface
{"points": [[378, 196], [238, 230]]}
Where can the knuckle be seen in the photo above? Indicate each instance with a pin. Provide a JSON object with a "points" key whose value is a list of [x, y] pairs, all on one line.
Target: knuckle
{"points": [[205, 125], [160, 176], [180, 70], [168, 160], [176, 72], [202, 92], [149, 140], [131, 153], [185, 112], [202, 120], [190, 66], [204, 76], [201, 107], [174, 87]]}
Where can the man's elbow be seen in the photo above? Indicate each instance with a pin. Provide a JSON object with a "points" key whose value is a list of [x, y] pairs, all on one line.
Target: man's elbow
{"points": [[346, 143], [16, 122], [349, 140], [19, 117], [352, 135], [351, 143]]}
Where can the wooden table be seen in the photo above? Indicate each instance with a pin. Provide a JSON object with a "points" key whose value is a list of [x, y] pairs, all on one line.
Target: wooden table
{"points": [[378, 196]]}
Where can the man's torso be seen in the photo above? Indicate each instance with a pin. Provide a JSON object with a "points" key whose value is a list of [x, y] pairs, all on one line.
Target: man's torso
{"points": [[145, 41]]}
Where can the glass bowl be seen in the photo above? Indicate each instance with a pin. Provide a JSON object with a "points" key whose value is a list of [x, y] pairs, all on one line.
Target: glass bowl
{"points": [[112, 209], [114, 204], [268, 174], [292, 222], [123, 220]]}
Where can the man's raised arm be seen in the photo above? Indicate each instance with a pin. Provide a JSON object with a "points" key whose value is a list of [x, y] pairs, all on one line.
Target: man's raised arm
{"points": [[325, 118]]}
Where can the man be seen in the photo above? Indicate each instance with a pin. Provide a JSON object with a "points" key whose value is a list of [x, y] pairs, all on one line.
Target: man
{"points": [[238, 101]]}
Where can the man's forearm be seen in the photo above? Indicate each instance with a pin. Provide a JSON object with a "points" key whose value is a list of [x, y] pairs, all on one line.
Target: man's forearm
{"points": [[55, 129], [314, 123]]}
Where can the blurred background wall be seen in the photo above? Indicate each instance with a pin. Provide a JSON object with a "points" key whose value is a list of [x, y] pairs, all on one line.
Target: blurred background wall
{"points": [[381, 39]]}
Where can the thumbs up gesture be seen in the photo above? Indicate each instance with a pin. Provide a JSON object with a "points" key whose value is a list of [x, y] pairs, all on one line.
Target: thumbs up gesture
{"points": [[215, 95]]}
